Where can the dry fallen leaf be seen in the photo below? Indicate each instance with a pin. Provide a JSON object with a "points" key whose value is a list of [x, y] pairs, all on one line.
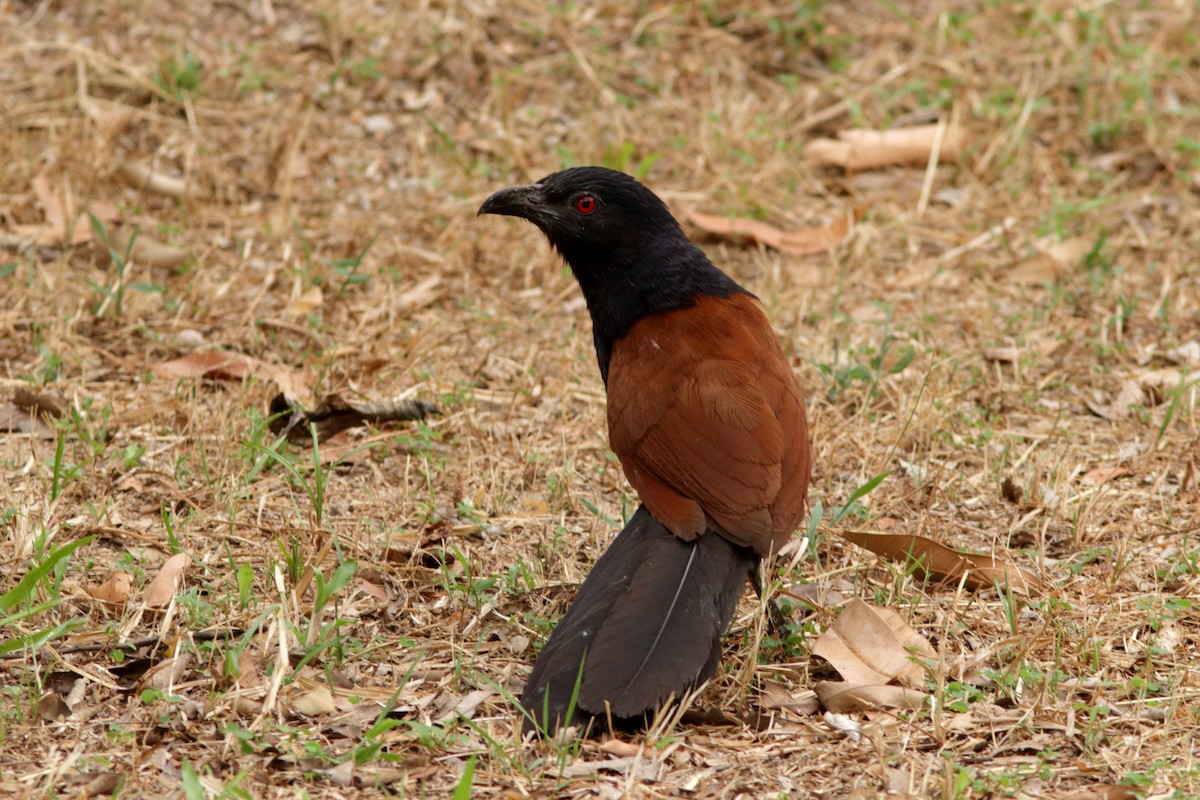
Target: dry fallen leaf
{"points": [[946, 564], [14, 419], [246, 671], [50, 405], [466, 706], [166, 674], [313, 702], [341, 775], [114, 591], [52, 707], [1186, 354], [143, 250], [96, 785], [57, 214], [372, 583], [844, 697], [230, 365], [1101, 475], [1161, 380], [622, 749], [1052, 263], [801, 242], [1034, 349], [1129, 396], [170, 575], [305, 303], [859, 148], [775, 696], [141, 177], [869, 645]]}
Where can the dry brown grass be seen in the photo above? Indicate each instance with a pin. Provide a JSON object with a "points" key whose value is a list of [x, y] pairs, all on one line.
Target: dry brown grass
{"points": [[320, 132]]}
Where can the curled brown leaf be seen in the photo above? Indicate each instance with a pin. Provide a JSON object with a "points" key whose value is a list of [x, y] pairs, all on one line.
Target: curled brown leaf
{"points": [[229, 365], [869, 645], [841, 697], [114, 591], [946, 564], [170, 575], [142, 177], [859, 148], [800, 242]]}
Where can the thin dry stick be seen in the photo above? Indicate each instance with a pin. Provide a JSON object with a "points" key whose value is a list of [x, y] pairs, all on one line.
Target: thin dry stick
{"points": [[935, 153], [979, 241]]}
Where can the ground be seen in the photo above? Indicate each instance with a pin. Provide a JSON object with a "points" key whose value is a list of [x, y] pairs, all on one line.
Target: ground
{"points": [[999, 355]]}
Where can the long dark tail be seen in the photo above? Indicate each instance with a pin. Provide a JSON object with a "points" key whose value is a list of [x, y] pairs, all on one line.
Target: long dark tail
{"points": [[646, 624]]}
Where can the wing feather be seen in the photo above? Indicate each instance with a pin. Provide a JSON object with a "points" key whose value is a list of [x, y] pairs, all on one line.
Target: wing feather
{"points": [[699, 402]]}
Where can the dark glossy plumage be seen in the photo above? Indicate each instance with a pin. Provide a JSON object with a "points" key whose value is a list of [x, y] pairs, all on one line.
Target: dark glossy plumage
{"points": [[708, 423], [686, 591]]}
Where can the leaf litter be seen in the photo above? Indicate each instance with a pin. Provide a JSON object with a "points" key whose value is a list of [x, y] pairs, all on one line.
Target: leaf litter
{"points": [[328, 245]]}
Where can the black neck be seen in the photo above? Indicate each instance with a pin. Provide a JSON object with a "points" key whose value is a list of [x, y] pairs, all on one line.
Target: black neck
{"points": [[662, 276]]}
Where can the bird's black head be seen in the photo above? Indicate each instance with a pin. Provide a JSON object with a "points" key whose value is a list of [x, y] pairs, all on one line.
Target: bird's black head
{"points": [[628, 253]]}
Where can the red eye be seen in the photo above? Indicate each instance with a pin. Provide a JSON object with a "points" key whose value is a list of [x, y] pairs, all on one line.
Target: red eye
{"points": [[585, 204]]}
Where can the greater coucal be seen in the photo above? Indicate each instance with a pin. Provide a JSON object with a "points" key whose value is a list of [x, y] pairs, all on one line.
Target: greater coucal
{"points": [[708, 422]]}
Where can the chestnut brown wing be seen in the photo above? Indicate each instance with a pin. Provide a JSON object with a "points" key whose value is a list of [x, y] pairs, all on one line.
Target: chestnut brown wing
{"points": [[706, 418]]}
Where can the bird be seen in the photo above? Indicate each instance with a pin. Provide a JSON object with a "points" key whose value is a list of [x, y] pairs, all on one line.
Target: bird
{"points": [[707, 420]]}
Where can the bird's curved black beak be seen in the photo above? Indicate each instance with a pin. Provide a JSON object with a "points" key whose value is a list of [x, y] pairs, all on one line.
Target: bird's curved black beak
{"points": [[516, 201]]}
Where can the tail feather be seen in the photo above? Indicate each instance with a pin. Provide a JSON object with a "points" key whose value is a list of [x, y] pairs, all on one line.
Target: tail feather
{"points": [[646, 624]]}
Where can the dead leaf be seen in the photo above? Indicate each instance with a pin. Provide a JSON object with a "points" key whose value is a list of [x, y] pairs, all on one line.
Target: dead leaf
{"points": [[342, 775], [622, 749], [142, 178], [228, 365], [101, 784], [1036, 348], [57, 214], [945, 564], [1052, 263], [50, 405], [815, 595], [14, 419], [801, 242], [1037, 270], [305, 303], [51, 707], [859, 148], [1164, 379], [1186, 354], [869, 645], [847, 725], [164, 675], [371, 583], [843, 697], [1129, 395], [114, 591], [776, 696], [466, 706], [143, 250], [315, 701], [244, 674], [170, 575], [1101, 475]]}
